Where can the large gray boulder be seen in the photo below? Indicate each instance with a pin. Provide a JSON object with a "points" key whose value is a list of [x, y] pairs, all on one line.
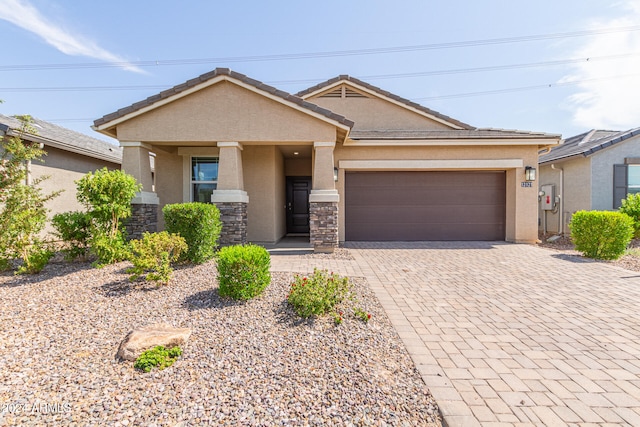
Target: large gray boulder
{"points": [[149, 336]]}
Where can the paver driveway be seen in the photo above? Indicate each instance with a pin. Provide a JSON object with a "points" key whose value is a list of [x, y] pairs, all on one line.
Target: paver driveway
{"points": [[505, 334]]}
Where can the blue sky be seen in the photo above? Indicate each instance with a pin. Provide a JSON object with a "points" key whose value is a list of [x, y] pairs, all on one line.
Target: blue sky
{"points": [[109, 55]]}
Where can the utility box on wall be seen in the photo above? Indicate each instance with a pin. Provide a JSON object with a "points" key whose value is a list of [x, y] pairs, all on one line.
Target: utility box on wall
{"points": [[547, 197]]}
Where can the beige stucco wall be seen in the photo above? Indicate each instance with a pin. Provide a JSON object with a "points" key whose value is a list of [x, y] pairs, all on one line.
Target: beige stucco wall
{"points": [[265, 187], [375, 113], [280, 203], [521, 214], [64, 168], [225, 112], [297, 167], [576, 189], [169, 180]]}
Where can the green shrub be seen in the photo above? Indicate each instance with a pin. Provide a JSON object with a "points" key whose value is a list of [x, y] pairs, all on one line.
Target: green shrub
{"points": [[243, 271], [319, 293], [107, 196], [23, 211], [74, 229], [153, 254], [159, 357], [199, 224], [108, 250], [37, 258], [601, 234], [631, 207]]}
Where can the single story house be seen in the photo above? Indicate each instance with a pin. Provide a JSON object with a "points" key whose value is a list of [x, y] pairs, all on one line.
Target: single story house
{"points": [[342, 160], [591, 171], [70, 155]]}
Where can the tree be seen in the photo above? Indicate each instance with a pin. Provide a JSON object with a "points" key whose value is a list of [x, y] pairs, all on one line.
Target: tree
{"points": [[107, 196], [23, 214]]}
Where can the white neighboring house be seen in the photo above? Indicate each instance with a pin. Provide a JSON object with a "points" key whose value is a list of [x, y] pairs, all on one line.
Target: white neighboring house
{"points": [[70, 155], [591, 171]]}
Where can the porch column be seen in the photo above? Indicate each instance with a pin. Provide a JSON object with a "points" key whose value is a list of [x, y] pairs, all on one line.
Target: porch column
{"points": [[229, 195], [323, 200], [144, 206]]}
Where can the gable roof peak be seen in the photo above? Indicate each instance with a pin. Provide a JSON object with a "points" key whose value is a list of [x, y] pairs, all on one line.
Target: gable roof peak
{"points": [[587, 143], [102, 124], [320, 87]]}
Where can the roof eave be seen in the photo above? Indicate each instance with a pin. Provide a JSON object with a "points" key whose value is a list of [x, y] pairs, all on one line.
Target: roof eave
{"points": [[66, 147]]}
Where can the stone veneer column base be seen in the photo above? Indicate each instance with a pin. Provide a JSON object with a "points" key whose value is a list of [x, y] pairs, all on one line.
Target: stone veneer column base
{"points": [[233, 216], [144, 217], [323, 224]]}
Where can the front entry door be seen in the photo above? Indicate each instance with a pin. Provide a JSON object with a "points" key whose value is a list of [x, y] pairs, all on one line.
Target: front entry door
{"points": [[298, 189]]}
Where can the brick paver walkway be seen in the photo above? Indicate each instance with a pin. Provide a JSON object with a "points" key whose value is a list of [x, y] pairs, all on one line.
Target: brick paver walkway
{"points": [[508, 335]]}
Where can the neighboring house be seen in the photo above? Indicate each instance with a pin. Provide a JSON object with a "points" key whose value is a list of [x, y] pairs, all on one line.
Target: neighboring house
{"points": [[343, 160], [591, 171], [70, 155]]}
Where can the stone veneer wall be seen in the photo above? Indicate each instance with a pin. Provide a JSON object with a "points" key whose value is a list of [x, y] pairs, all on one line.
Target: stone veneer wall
{"points": [[323, 223], [144, 217], [233, 216]]}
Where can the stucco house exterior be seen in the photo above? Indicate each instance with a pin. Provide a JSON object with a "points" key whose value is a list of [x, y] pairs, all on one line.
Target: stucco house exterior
{"points": [[343, 160], [70, 155], [591, 171]]}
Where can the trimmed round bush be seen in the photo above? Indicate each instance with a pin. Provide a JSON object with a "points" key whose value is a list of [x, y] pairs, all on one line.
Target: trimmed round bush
{"points": [[198, 224], [243, 271], [601, 234]]}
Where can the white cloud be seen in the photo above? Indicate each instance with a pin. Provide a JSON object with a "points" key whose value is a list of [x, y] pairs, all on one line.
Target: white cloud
{"points": [[24, 15], [608, 91]]}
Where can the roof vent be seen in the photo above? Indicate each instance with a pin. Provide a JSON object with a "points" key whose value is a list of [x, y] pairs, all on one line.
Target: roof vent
{"points": [[343, 92]]}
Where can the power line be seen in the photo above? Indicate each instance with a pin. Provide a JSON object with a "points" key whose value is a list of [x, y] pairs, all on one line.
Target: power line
{"points": [[370, 77], [457, 95], [312, 55], [523, 88]]}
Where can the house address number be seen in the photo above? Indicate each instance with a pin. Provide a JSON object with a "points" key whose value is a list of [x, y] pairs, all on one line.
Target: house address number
{"points": [[526, 184]]}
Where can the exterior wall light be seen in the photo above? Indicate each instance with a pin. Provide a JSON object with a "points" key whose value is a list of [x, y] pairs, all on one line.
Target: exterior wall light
{"points": [[530, 173], [335, 174]]}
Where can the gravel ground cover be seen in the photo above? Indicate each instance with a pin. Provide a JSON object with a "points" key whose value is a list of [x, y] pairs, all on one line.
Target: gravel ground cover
{"points": [[629, 261], [251, 363]]}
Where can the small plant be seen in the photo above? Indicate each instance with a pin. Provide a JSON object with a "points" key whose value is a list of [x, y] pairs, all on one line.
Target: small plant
{"points": [[36, 260], [153, 254], [74, 229], [319, 293], [243, 271], [361, 314], [159, 357], [337, 318], [631, 207], [108, 250], [199, 224], [601, 234]]}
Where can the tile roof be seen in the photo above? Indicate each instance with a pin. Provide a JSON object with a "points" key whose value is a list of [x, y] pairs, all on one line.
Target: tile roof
{"points": [[487, 133], [66, 139], [345, 77], [587, 144], [223, 72]]}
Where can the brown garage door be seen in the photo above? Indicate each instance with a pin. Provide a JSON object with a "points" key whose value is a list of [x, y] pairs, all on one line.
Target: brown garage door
{"points": [[406, 206]]}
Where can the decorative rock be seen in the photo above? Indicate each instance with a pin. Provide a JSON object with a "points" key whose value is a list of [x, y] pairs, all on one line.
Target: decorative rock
{"points": [[149, 336]]}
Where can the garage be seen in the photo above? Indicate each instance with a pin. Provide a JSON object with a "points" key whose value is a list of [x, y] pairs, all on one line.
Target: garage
{"points": [[406, 206]]}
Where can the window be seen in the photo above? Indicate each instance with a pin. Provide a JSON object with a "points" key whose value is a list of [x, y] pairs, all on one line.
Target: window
{"points": [[626, 180], [204, 178], [633, 179]]}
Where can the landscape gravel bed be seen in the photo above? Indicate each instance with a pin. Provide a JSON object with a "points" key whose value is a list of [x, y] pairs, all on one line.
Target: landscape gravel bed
{"points": [[629, 261], [254, 363]]}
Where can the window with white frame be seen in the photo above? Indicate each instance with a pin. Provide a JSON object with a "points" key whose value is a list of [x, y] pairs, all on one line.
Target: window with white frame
{"points": [[204, 178]]}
